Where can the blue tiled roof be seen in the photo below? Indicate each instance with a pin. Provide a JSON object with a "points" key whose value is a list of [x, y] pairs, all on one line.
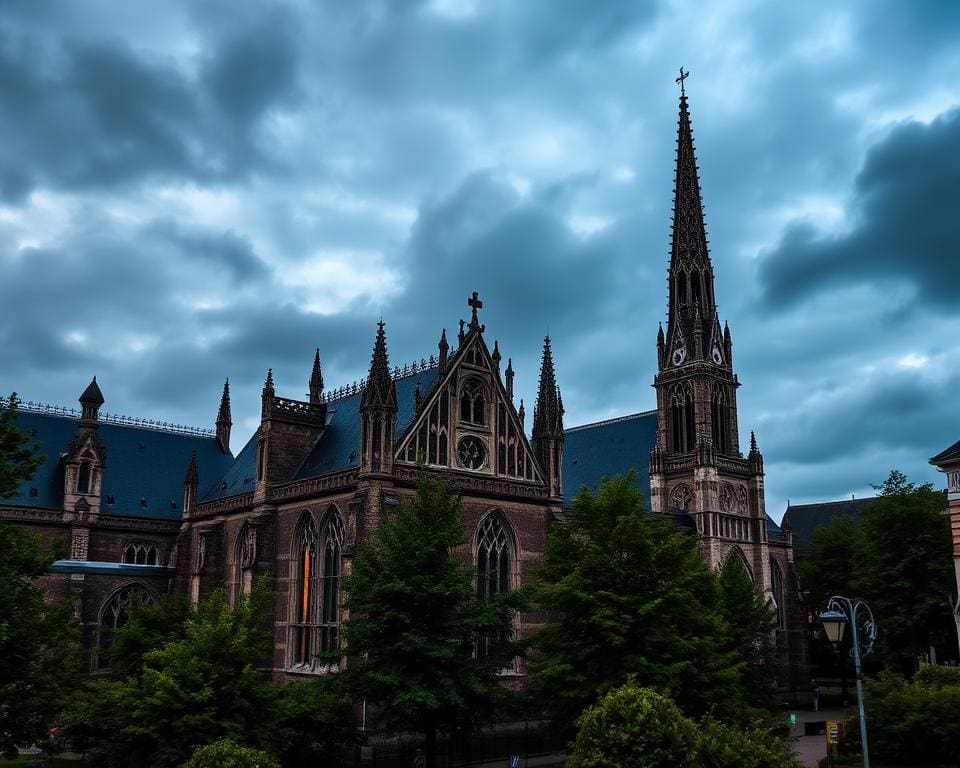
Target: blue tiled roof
{"points": [[141, 464], [608, 448], [339, 446], [240, 476]]}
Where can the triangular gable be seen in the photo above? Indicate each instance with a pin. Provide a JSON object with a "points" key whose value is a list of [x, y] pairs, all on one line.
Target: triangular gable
{"points": [[452, 430]]}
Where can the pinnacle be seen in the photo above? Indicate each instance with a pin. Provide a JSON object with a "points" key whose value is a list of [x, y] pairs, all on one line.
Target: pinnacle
{"points": [[316, 379], [92, 394], [224, 415]]}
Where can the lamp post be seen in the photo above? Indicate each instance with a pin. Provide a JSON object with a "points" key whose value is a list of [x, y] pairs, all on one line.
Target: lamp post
{"points": [[840, 612]]}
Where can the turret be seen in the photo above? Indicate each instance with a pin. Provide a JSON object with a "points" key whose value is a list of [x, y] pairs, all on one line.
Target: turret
{"points": [[224, 419], [90, 401], [378, 412]]}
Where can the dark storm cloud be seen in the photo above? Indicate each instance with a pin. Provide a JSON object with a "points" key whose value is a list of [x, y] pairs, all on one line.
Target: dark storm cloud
{"points": [[904, 224], [81, 113]]}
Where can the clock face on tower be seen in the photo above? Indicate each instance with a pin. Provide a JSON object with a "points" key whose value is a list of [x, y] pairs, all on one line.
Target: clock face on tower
{"points": [[679, 355], [471, 452]]}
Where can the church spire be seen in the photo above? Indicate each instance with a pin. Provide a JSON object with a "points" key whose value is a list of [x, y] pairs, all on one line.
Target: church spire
{"points": [[691, 272], [224, 419], [316, 379], [548, 424], [380, 389]]}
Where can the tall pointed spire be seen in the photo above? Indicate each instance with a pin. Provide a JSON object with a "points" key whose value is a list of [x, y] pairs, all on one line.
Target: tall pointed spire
{"points": [[378, 412], [224, 419], [547, 414], [316, 379], [691, 315], [548, 425]]}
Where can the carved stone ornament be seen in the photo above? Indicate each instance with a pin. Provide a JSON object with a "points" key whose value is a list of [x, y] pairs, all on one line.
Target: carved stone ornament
{"points": [[248, 552], [201, 554], [681, 497]]}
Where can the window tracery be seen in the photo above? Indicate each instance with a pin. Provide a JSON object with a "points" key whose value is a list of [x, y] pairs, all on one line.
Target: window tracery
{"points": [[681, 498], [316, 594], [141, 554], [493, 562], [681, 418], [114, 616], [472, 402]]}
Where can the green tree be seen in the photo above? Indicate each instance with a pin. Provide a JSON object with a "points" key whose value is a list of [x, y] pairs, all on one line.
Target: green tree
{"points": [[196, 685], [415, 619], [751, 641], [632, 599], [825, 565], [20, 454], [39, 640], [902, 566], [228, 754]]}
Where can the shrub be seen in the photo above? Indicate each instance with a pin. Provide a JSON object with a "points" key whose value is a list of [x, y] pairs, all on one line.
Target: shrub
{"points": [[228, 754]]}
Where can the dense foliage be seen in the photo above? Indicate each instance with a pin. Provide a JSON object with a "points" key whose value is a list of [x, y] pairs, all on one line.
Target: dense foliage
{"points": [[19, 453], [633, 599], [415, 619], [897, 557], [912, 723], [39, 643], [751, 640], [635, 727], [184, 685], [39, 640]]}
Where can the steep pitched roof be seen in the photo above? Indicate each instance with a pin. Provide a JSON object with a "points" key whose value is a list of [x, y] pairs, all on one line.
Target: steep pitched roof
{"points": [[948, 455], [337, 448], [606, 448], [804, 519], [141, 464]]}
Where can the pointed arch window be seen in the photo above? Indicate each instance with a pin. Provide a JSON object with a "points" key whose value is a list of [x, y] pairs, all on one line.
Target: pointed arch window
{"points": [[719, 419], [494, 560], [472, 402], [738, 557], [113, 616], [83, 477], [316, 594], [681, 419], [681, 284], [141, 554], [776, 588]]}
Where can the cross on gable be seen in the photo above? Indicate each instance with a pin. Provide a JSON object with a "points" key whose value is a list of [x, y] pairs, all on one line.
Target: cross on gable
{"points": [[474, 303]]}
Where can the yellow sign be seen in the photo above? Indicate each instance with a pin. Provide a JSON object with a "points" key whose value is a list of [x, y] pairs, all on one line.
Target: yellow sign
{"points": [[834, 731]]}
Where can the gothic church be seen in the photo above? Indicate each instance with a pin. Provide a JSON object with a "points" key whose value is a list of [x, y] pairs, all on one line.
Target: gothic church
{"points": [[151, 508]]}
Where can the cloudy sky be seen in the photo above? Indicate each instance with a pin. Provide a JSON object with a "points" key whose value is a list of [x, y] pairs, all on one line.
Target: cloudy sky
{"points": [[190, 191]]}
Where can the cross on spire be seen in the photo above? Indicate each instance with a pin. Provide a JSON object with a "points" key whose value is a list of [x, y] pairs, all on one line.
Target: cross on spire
{"points": [[683, 76], [474, 303]]}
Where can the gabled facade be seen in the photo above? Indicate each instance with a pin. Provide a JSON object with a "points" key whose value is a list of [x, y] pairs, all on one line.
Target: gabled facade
{"points": [[319, 475]]}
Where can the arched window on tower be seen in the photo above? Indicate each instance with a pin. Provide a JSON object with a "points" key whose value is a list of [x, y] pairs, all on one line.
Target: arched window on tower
{"points": [[114, 615], [83, 477], [776, 587], [681, 419], [494, 560], [695, 293], [681, 287], [472, 402], [719, 419]]}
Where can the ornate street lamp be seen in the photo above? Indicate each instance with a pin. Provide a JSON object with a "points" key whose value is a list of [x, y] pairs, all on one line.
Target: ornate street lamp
{"points": [[840, 612]]}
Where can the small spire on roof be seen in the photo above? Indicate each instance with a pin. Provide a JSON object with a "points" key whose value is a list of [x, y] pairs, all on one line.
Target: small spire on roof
{"points": [[444, 348], [91, 400], [496, 354], [316, 379], [509, 377], [193, 475]]}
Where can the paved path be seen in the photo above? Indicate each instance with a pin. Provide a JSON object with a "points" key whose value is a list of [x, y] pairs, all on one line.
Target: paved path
{"points": [[811, 748]]}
